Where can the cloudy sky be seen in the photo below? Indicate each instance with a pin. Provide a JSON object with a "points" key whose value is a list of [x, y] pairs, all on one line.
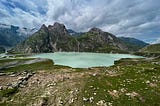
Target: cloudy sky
{"points": [[133, 18]]}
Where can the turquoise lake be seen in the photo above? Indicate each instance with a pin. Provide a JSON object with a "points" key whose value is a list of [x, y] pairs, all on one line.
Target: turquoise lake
{"points": [[84, 60]]}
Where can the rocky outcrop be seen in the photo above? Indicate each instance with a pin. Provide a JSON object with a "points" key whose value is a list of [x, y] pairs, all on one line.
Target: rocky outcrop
{"points": [[56, 38]]}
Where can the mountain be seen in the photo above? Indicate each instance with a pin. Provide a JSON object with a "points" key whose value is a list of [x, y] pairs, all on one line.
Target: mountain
{"points": [[96, 40], [48, 39], [2, 50], [154, 48], [12, 35], [57, 38], [133, 44]]}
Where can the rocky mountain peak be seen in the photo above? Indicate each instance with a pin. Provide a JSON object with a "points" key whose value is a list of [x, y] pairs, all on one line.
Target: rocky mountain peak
{"points": [[57, 27], [43, 27], [95, 30]]}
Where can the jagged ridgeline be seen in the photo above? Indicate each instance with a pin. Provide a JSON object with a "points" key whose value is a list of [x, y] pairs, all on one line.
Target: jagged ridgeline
{"points": [[57, 38]]}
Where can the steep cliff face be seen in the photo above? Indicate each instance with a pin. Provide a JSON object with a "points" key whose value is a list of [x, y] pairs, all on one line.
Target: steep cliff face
{"points": [[57, 38], [47, 39]]}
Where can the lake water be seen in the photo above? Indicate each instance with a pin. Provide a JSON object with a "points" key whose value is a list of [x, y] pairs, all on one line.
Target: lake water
{"points": [[83, 60]]}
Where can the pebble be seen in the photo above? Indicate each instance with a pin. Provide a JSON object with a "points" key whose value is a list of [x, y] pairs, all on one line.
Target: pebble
{"points": [[147, 82], [85, 99], [91, 99], [1, 87]]}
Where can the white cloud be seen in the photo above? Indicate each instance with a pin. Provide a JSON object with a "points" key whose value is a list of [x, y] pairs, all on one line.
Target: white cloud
{"points": [[156, 41], [136, 18]]}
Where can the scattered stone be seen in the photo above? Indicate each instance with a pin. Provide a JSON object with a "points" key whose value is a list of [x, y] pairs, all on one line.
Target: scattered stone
{"points": [[10, 87], [24, 82], [71, 100], [123, 90], [153, 85], [114, 93], [20, 78], [109, 104], [91, 86], [135, 94], [12, 75], [147, 82], [29, 75], [60, 102], [132, 95], [85, 99], [1, 87], [2, 74], [101, 103], [76, 90], [51, 84], [33, 82], [146, 88], [24, 72], [91, 99], [95, 74], [21, 81]]}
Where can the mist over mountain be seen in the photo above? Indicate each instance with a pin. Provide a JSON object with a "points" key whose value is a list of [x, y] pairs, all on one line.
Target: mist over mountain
{"points": [[11, 35]]}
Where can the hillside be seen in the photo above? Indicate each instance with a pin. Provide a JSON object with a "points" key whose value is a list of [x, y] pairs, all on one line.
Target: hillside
{"points": [[154, 48], [96, 40], [57, 38], [133, 44], [38, 82]]}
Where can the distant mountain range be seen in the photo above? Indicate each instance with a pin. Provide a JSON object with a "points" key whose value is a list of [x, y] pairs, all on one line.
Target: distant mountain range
{"points": [[57, 38], [74, 33], [11, 35], [133, 44]]}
